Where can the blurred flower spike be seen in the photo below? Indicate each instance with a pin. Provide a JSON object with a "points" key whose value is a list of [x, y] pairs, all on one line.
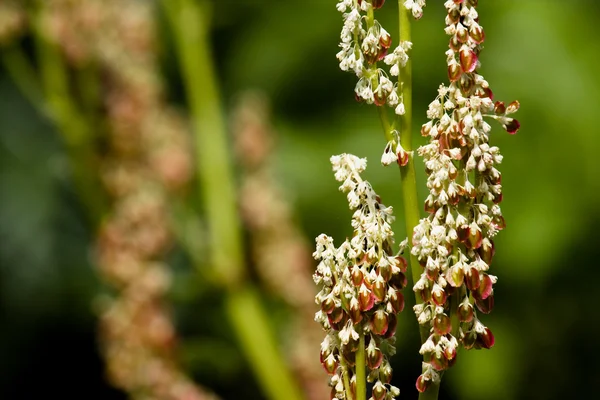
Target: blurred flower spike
{"points": [[454, 243], [361, 284]]}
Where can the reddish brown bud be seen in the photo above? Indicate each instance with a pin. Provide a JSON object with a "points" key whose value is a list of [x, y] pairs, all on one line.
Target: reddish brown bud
{"points": [[335, 315], [469, 340], [477, 34], [499, 222], [455, 276], [327, 305], [499, 108], [468, 60], [422, 384], [475, 239], [512, 126], [379, 289], [486, 287], [329, 362], [355, 313], [454, 72], [439, 296], [440, 363], [379, 392], [450, 353], [472, 279], [398, 281], [454, 15], [356, 276], [465, 312], [385, 41], [486, 339], [442, 324], [379, 322], [463, 233], [366, 300], [462, 34], [379, 98], [396, 301], [485, 305], [401, 263], [403, 157], [374, 357], [487, 251]]}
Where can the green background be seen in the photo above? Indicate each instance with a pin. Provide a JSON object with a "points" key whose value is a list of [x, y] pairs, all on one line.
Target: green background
{"points": [[545, 53]]}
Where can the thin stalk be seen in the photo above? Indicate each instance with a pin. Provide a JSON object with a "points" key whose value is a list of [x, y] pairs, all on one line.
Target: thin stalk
{"points": [[188, 24], [407, 173], [72, 125], [361, 372]]}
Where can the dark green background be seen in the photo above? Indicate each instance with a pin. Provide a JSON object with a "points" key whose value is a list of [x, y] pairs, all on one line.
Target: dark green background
{"points": [[545, 53]]}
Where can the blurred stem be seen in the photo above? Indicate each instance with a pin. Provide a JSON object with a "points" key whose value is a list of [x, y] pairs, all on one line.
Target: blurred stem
{"points": [[75, 130], [407, 173], [24, 75], [188, 23], [361, 365]]}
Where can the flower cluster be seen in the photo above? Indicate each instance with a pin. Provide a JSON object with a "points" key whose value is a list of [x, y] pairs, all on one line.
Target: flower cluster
{"points": [[454, 243], [361, 282], [146, 161], [364, 43]]}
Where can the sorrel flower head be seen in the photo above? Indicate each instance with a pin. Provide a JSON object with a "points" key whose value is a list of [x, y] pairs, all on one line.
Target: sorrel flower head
{"points": [[360, 288], [454, 243]]}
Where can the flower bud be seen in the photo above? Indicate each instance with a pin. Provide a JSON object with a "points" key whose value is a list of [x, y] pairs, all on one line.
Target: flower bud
{"points": [[379, 322], [366, 299], [486, 287], [374, 357], [379, 391], [472, 279], [465, 312], [486, 339], [455, 276], [392, 325], [327, 305], [487, 251], [396, 300], [468, 59], [477, 34], [422, 383], [454, 72], [442, 324], [485, 305], [356, 275], [439, 296], [329, 363]]}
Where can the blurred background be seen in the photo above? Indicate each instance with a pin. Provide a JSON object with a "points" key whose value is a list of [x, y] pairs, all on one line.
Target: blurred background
{"points": [[301, 108]]}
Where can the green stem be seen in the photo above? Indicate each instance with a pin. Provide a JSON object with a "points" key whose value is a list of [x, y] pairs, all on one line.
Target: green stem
{"points": [[73, 126], [407, 173], [189, 25], [361, 372]]}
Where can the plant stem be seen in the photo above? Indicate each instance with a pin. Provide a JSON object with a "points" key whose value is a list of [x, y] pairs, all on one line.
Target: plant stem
{"points": [[361, 365], [407, 173], [188, 23], [73, 126]]}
